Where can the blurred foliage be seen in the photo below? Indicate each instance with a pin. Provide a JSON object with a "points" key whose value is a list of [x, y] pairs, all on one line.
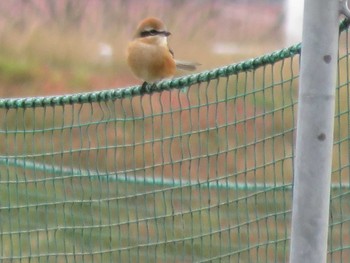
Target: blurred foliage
{"points": [[16, 71], [56, 45]]}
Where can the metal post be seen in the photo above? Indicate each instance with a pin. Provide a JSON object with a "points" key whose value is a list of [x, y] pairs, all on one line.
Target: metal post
{"points": [[314, 142]]}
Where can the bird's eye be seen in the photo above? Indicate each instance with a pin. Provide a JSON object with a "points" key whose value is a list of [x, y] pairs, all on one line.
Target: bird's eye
{"points": [[153, 32]]}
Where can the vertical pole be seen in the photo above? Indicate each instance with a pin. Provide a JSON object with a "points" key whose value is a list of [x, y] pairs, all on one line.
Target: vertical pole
{"points": [[314, 142]]}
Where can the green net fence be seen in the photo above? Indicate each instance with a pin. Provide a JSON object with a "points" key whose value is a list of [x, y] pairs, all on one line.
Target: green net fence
{"points": [[202, 174]]}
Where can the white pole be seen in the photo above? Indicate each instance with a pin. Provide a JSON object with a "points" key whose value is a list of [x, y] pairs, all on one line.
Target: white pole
{"points": [[314, 142]]}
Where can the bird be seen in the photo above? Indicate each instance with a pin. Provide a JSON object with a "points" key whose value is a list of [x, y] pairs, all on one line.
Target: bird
{"points": [[149, 56]]}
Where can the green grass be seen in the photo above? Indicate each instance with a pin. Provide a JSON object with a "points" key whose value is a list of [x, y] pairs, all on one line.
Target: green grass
{"points": [[130, 222]]}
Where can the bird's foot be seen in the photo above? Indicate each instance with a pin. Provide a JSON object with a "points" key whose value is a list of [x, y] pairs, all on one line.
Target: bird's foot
{"points": [[147, 87], [144, 87]]}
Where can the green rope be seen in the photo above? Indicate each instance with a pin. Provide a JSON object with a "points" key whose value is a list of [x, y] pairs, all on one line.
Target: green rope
{"points": [[344, 25], [131, 178]]}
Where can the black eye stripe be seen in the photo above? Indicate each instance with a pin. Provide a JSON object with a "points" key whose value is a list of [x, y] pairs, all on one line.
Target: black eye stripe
{"points": [[153, 32]]}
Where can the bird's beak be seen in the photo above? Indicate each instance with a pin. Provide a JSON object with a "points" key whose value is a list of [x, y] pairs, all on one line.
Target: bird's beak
{"points": [[167, 33]]}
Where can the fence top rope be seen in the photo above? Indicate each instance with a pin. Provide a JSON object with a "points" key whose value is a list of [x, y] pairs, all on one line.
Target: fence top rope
{"points": [[178, 83]]}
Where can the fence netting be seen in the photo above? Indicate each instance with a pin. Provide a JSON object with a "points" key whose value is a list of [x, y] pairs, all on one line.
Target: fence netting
{"points": [[195, 169]]}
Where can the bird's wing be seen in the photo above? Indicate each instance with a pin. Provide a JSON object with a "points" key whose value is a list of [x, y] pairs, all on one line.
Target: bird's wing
{"points": [[186, 65]]}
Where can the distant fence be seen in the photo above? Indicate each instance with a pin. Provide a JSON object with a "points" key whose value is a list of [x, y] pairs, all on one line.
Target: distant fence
{"points": [[200, 174]]}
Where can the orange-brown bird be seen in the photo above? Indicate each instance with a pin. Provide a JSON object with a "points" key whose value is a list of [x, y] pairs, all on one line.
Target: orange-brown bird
{"points": [[149, 55]]}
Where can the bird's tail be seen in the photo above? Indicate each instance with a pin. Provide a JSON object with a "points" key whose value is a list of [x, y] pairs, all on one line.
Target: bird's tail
{"points": [[185, 65]]}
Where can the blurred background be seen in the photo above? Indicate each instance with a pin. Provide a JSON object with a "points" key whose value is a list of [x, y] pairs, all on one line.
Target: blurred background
{"points": [[50, 47]]}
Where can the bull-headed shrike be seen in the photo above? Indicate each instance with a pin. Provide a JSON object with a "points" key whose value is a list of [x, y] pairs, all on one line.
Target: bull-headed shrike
{"points": [[149, 55]]}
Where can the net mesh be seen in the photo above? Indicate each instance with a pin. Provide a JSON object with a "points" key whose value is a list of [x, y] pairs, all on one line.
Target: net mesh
{"points": [[196, 169]]}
